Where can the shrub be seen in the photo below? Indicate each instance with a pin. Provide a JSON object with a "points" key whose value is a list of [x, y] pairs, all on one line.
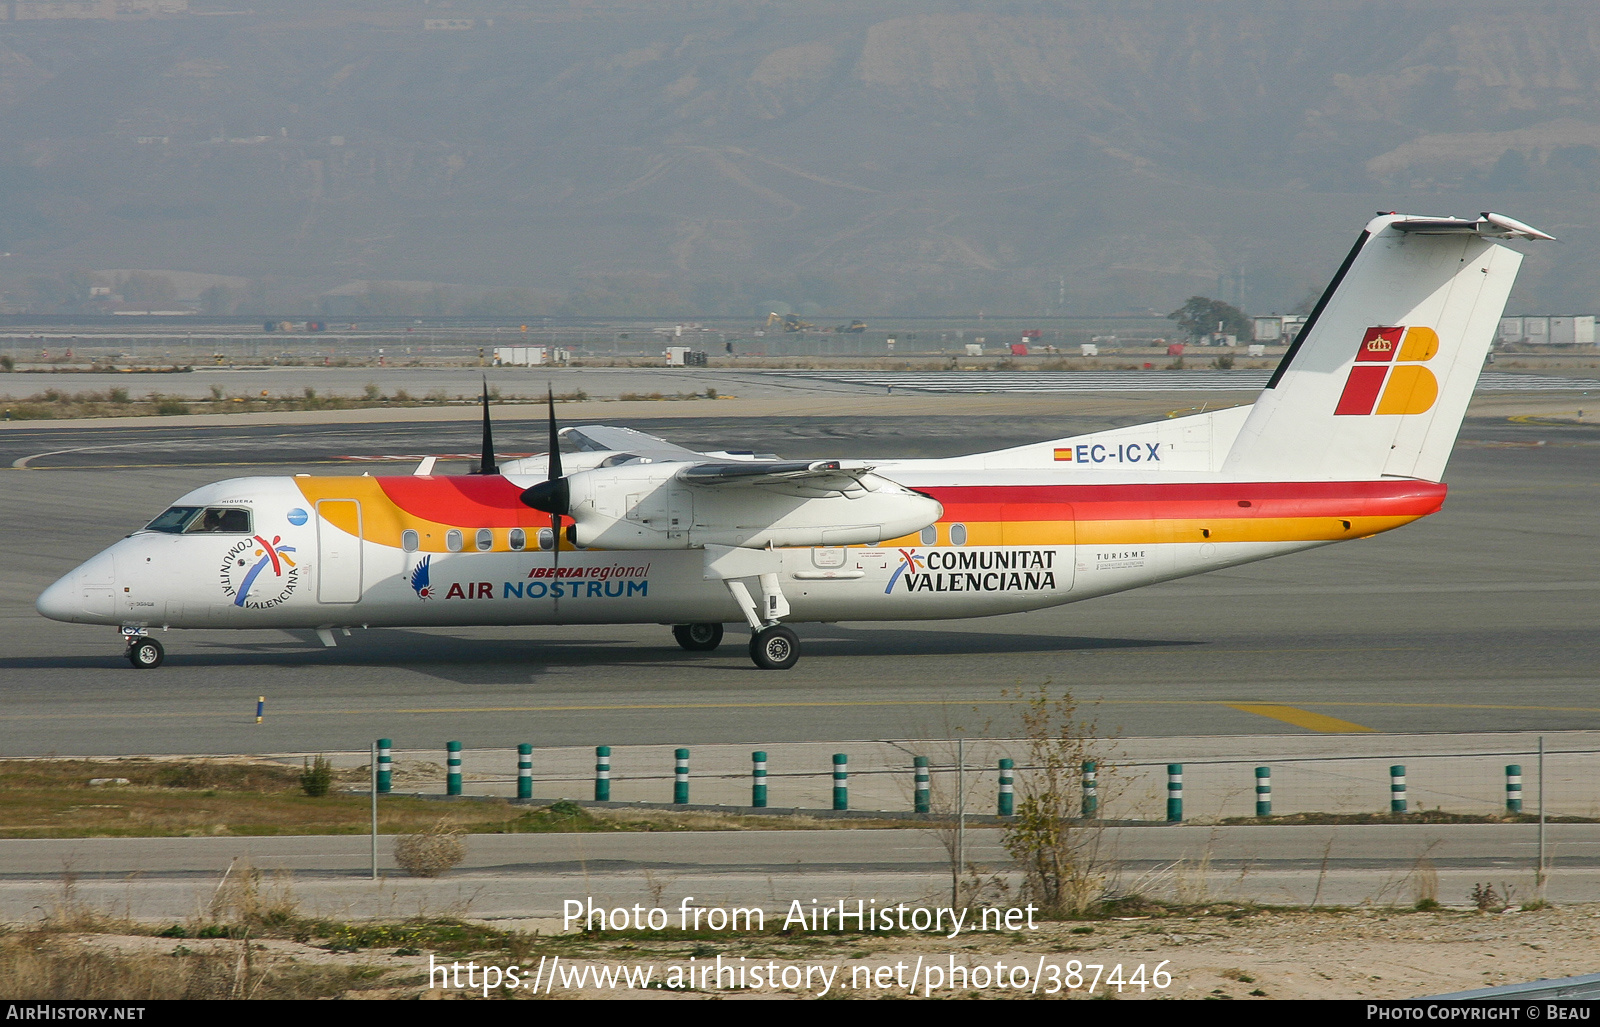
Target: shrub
{"points": [[317, 777], [1057, 853], [431, 852]]}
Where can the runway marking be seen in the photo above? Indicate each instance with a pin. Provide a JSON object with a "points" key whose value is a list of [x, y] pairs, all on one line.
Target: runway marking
{"points": [[841, 704], [1320, 722]]}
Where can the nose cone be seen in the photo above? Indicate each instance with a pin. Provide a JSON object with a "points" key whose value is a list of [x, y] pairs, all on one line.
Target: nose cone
{"points": [[63, 600], [84, 596]]}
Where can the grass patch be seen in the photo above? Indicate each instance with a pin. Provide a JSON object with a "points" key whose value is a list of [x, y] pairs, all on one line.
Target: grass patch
{"points": [[46, 798]]}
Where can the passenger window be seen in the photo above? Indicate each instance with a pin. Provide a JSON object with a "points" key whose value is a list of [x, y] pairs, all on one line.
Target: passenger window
{"points": [[547, 538], [452, 540], [485, 540], [930, 534], [220, 520], [409, 540], [958, 534], [519, 539]]}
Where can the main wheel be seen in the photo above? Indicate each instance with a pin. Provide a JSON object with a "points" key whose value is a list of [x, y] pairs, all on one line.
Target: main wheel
{"points": [[146, 653], [775, 648], [698, 638]]}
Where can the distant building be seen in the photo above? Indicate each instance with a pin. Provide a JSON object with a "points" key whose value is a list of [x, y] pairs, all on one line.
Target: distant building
{"points": [[1547, 330], [1280, 329], [448, 24], [103, 10]]}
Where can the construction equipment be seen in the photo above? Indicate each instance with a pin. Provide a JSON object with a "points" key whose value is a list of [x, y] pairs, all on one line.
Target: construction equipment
{"points": [[789, 322]]}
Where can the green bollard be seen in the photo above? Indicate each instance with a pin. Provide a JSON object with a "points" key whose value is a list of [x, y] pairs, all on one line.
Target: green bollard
{"points": [[758, 780], [841, 781], [524, 771], [1263, 791], [602, 773], [1174, 793], [1514, 788], [680, 781], [1397, 788], [920, 803], [1008, 798], [1091, 789], [452, 759], [385, 765]]}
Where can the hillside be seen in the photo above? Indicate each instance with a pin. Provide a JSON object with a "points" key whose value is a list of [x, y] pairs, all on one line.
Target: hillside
{"points": [[672, 155]]}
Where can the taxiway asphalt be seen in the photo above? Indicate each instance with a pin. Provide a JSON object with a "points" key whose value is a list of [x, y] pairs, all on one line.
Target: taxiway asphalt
{"points": [[1480, 618]]}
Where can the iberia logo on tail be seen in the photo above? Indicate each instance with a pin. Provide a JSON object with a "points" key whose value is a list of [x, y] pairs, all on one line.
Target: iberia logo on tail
{"points": [[1389, 376]]}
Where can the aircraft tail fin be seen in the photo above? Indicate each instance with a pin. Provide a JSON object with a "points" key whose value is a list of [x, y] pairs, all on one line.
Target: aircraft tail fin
{"points": [[1378, 381]]}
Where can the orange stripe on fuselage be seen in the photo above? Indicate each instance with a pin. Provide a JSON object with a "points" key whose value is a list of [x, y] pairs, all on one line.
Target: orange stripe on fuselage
{"points": [[1151, 514], [430, 505]]}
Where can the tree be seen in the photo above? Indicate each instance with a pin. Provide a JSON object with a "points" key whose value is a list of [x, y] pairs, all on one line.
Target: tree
{"points": [[1200, 315]]}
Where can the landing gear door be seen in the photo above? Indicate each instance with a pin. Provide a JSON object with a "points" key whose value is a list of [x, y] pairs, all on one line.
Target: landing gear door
{"points": [[338, 551]]}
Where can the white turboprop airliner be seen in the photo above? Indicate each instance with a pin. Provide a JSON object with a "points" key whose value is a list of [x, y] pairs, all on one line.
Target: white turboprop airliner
{"points": [[1349, 438]]}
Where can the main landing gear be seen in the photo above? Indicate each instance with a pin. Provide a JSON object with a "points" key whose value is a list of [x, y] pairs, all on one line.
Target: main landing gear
{"points": [[144, 652], [698, 638], [775, 648]]}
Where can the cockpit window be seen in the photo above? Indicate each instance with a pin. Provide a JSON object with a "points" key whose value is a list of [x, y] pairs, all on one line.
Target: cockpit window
{"points": [[174, 520], [207, 520], [221, 520]]}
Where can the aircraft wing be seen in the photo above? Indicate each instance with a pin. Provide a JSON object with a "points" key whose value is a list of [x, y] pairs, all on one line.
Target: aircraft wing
{"points": [[603, 437], [798, 477]]}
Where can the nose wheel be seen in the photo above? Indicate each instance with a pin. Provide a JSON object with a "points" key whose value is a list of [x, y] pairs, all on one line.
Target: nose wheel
{"points": [[145, 653], [698, 638], [775, 648]]}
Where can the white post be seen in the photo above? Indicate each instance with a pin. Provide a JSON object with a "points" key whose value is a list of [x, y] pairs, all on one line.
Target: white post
{"points": [[1540, 877], [374, 810], [961, 820]]}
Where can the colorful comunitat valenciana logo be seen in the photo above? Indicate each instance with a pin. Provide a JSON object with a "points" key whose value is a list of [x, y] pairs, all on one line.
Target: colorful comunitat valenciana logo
{"points": [[244, 565], [1389, 376]]}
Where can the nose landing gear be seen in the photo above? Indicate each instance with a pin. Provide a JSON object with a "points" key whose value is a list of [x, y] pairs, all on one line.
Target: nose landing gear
{"points": [[144, 652]]}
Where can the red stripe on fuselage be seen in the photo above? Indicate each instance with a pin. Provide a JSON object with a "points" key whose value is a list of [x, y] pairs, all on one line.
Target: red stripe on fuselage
{"points": [[478, 500], [979, 503]]}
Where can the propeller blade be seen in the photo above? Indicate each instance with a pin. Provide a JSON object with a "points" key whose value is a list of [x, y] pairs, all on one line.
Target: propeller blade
{"points": [[553, 495], [554, 471], [555, 556], [487, 464]]}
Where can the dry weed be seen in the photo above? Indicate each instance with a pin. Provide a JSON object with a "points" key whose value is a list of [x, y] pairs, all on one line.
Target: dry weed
{"points": [[430, 853]]}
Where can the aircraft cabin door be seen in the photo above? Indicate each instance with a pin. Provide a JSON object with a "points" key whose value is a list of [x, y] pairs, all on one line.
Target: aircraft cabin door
{"points": [[338, 551]]}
